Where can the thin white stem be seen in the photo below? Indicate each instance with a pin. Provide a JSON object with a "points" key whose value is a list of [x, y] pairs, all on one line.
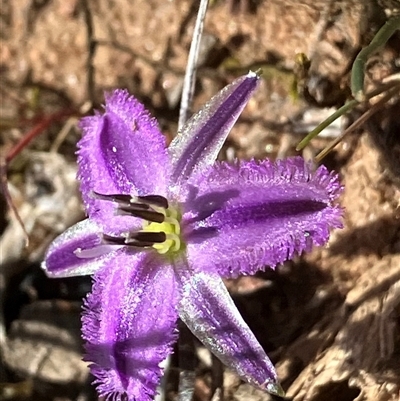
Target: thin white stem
{"points": [[191, 68]]}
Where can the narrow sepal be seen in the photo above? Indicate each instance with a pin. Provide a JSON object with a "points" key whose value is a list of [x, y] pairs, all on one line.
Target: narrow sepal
{"points": [[197, 145], [208, 310], [240, 218], [62, 257], [128, 325]]}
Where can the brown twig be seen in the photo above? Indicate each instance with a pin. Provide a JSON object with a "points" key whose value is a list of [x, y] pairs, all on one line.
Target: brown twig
{"points": [[91, 49], [15, 150], [35, 131], [361, 120]]}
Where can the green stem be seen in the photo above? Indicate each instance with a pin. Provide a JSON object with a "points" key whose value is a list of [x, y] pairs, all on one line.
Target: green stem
{"points": [[379, 40], [338, 113]]}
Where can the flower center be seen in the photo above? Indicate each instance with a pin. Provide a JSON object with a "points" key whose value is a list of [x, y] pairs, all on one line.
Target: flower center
{"points": [[171, 227], [161, 223]]}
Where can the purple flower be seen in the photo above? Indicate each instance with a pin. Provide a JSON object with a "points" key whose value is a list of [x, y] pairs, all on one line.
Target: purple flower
{"points": [[165, 224]]}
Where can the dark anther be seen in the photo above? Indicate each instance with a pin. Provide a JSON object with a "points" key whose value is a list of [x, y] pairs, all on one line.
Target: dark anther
{"points": [[155, 200], [147, 236], [144, 202], [109, 239], [148, 215], [140, 239], [118, 198]]}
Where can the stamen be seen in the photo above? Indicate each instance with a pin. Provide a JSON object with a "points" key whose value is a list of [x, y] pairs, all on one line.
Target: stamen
{"points": [[140, 238], [148, 236], [161, 225], [125, 241], [148, 215], [156, 200], [118, 198], [109, 239], [141, 202]]}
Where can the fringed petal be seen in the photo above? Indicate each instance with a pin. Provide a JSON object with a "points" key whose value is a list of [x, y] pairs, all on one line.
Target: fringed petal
{"points": [[240, 218], [121, 152], [128, 325]]}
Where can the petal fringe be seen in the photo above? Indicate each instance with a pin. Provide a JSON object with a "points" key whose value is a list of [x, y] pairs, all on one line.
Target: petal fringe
{"points": [[128, 325], [121, 152], [240, 218]]}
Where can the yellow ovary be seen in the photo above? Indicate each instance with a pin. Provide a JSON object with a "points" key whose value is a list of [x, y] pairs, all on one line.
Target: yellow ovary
{"points": [[171, 228]]}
